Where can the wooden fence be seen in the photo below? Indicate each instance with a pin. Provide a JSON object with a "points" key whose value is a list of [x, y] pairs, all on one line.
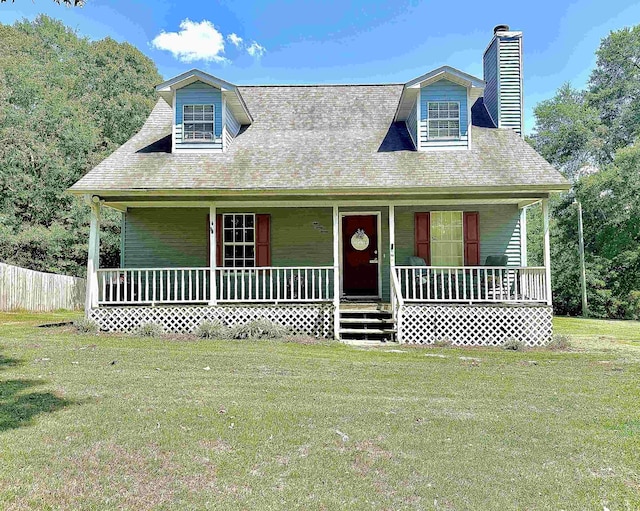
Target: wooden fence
{"points": [[22, 289]]}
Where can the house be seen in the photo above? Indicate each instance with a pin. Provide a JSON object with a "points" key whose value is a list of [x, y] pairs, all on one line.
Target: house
{"points": [[360, 212]]}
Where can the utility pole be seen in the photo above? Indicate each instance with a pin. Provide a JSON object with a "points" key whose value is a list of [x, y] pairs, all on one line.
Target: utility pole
{"points": [[583, 276]]}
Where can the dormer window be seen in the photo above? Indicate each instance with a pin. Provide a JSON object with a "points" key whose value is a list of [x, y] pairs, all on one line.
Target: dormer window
{"points": [[198, 123], [443, 118]]}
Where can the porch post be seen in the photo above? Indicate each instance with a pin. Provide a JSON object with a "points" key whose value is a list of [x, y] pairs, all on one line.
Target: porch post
{"points": [[523, 237], [547, 249], [213, 251], [392, 236], [93, 259], [336, 274]]}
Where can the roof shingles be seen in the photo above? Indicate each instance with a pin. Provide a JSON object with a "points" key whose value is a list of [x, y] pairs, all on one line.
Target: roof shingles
{"points": [[319, 138]]}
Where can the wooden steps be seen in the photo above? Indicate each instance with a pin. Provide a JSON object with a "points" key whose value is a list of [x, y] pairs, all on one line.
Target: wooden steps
{"points": [[366, 323]]}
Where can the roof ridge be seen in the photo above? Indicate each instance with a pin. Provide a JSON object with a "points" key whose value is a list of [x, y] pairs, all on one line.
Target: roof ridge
{"points": [[325, 85]]}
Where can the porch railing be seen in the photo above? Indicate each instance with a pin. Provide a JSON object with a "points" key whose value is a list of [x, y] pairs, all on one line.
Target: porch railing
{"points": [[469, 284], [193, 285]]}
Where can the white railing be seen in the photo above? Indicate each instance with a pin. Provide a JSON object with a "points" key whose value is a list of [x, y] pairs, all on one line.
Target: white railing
{"points": [[275, 284], [193, 285], [397, 303], [153, 285], [471, 284]]}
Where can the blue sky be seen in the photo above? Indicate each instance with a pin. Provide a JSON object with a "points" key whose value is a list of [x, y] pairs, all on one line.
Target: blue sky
{"points": [[348, 42]]}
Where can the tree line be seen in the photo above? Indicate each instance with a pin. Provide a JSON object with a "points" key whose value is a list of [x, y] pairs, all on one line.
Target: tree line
{"points": [[591, 135], [65, 104]]}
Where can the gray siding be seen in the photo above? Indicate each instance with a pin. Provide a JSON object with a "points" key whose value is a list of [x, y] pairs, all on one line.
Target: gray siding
{"points": [[198, 93], [443, 90], [490, 65], [165, 238], [499, 230], [510, 83], [233, 127]]}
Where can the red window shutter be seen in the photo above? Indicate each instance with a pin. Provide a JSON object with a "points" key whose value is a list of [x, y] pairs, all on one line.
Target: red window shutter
{"points": [[423, 236], [219, 261], [263, 240], [471, 228]]}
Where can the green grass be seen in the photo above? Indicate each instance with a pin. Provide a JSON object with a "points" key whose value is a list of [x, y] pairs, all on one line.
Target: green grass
{"points": [[273, 425]]}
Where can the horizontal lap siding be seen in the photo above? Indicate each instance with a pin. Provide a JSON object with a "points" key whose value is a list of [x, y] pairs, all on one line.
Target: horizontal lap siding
{"points": [[173, 237], [165, 238], [491, 78], [499, 230], [233, 127], [443, 90], [198, 93], [510, 84]]}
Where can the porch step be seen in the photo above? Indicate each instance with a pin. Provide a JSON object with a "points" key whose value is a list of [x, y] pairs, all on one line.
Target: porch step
{"points": [[366, 323]]}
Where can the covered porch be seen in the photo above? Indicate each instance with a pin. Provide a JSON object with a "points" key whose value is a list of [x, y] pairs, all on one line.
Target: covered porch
{"points": [[305, 264]]}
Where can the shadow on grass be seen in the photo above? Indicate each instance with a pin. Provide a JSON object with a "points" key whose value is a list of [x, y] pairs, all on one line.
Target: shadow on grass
{"points": [[18, 404]]}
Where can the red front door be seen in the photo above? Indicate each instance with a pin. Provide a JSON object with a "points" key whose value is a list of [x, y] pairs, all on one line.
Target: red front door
{"points": [[360, 255]]}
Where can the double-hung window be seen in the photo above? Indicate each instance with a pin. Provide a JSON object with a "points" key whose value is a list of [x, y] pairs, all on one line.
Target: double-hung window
{"points": [[239, 246], [447, 238], [443, 118], [198, 121]]}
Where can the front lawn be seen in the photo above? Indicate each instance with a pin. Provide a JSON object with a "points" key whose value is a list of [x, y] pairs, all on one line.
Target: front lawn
{"points": [[106, 422]]}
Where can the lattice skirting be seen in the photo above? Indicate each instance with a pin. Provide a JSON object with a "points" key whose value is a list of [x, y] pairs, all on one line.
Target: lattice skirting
{"points": [[316, 319], [476, 325]]}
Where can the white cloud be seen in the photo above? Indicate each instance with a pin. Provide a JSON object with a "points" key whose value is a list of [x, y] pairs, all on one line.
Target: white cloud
{"points": [[256, 50], [194, 41], [235, 39]]}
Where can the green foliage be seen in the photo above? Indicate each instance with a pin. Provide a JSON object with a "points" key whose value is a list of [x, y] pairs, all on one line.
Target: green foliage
{"points": [[211, 330], [259, 329], [513, 345], [150, 330], [597, 127], [86, 326], [560, 342], [65, 104]]}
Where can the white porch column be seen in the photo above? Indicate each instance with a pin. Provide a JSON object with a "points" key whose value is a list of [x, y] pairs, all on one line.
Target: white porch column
{"points": [[213, 251], [93, 259], [336, 273], [392, 236], [523, 237], [547, 248]]}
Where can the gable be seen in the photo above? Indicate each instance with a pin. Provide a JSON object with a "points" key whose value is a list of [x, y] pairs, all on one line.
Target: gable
{"points": [[198, 93]]}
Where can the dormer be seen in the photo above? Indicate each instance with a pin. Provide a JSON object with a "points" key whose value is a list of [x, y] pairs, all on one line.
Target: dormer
{"points": [[207, 112], [436, 108]]}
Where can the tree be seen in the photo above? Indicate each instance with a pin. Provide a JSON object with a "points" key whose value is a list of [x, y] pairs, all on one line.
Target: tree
{"points": [[65, 104], [614, 86], [568, 132]]}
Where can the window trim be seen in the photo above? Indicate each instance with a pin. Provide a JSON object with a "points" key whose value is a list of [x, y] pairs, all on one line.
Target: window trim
{"points": [[212, 122], [238, 243], [429, 120], [433, 241]]}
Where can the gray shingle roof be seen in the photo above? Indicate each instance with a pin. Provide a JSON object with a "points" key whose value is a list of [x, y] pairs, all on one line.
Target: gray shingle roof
{"points": [[320, 138]]}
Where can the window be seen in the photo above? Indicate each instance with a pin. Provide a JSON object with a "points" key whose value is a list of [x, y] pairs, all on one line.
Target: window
{"points": [[447, 240], [443, 118], [239, 240], [198, 121]]}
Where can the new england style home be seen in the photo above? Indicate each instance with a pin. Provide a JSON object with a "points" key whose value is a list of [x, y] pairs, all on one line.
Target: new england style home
{"points": [[358, 212]]}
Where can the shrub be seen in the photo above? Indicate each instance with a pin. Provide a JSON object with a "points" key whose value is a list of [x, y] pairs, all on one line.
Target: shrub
{"points": [[259, 329], [150, 330], [560, 342], [86, 326], [513, 345], [211, 330]]}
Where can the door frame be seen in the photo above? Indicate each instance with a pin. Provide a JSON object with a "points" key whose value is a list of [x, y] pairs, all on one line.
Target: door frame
{"points": [[378, 215]]}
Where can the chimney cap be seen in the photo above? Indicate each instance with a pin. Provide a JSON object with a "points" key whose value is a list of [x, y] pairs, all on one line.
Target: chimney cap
{"points": [[500, 28]]}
